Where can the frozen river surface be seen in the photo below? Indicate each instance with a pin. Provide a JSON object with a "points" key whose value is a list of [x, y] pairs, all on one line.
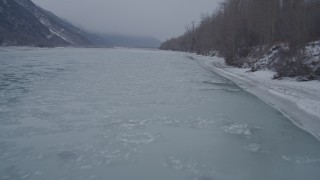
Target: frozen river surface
{"points": [[111, 114]]}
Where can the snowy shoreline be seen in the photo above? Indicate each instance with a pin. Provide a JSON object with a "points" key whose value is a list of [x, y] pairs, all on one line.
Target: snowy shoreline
{"points": [[298, 101]]}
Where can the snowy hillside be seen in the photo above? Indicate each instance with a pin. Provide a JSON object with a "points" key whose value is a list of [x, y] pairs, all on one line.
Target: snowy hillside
{"points": [[56, 28], [305, 64], [22, 23]]}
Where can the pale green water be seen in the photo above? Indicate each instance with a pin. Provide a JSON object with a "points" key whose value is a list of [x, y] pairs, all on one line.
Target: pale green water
{"points": [[139, 115]]}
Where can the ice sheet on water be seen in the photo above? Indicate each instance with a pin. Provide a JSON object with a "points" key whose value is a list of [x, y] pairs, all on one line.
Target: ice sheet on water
{"points": [[124, 111], [67, 155], [137, 138], [237, 129], [24, 132], [241, 129], [212, 85], [256, 148], [195, 122], [90, 156], [13, 172], [196, 170], [200, 122], [301, 159]]}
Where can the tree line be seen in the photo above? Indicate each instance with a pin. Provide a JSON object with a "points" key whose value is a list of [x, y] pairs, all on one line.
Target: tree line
{"points": [[240, 28]]}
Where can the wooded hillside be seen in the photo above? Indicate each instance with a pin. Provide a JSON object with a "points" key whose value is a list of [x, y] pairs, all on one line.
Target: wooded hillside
{"points": [[248, 28]]}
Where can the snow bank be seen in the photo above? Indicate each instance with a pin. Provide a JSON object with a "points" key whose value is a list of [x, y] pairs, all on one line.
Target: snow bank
{"points": [[299, 101], [305, 65], [313, 52]]}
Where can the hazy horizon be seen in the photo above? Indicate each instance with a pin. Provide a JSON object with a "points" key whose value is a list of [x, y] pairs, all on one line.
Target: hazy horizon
{"points": [[160, 19]]}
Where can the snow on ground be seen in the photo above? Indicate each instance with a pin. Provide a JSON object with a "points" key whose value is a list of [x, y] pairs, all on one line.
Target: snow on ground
{"points": [[299, 101], [313, 52]]}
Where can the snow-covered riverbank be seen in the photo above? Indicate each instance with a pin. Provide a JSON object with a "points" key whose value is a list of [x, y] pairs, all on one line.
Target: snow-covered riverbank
{"points": [[299, 101]]}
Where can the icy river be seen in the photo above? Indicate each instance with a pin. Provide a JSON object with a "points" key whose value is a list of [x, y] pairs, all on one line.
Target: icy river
{"points": [[121, 114]]}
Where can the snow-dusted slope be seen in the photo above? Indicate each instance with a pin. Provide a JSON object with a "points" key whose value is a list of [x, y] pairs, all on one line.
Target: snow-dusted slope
{"points": [[22, 23], [50, 21], [313, 52], [299, 101], [19, 27], [305, 64]]}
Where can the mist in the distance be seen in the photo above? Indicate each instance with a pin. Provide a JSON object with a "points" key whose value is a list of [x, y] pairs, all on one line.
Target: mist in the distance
{"points": [[162, 19]]}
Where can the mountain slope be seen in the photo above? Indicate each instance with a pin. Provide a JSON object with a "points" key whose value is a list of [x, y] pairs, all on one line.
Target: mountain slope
{"points": [[54, 24], [22, 23], [96, 40], [20, 27]]}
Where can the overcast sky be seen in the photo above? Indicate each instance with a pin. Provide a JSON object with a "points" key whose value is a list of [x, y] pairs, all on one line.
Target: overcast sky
{"points": [[162, 19]]}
